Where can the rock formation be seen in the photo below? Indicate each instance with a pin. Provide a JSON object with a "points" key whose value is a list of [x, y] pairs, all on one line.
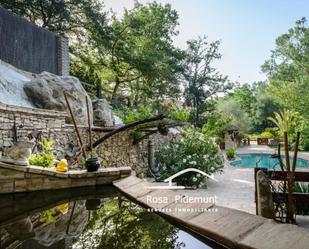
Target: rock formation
{"points": [[102, 113], [46, 92]]}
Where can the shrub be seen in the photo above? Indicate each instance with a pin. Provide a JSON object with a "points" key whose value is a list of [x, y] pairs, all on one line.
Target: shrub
{"points": [[191, 150], [180, 115], [230, 153], [45, 157], [304, 137], [266, 134], [131, 115]]}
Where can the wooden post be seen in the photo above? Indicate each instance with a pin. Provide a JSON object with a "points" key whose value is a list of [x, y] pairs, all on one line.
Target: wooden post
{"points": [[290, 180], [295, 153], [75, 126], [89, 125]]}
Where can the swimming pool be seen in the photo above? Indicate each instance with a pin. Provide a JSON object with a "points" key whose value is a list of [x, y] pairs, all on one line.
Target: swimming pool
{"points": [[264, 161]]}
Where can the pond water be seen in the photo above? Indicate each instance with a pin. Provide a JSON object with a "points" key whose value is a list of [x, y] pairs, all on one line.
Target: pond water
{"points": [[87, 218], [264, 161]]}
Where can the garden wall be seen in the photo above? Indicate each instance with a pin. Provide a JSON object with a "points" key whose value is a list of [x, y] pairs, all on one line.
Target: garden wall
{"points": [[117, 151]]}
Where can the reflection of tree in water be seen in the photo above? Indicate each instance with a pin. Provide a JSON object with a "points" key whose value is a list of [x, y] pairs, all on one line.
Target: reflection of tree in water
{"points": [[122, 224]]}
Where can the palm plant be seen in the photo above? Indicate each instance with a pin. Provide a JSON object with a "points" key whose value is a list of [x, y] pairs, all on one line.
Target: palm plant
{"points": [[286, 121]]}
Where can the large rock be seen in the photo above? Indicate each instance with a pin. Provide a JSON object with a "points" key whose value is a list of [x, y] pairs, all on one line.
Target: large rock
{"points": [[46, 92], [102, 113], [12, 81]]}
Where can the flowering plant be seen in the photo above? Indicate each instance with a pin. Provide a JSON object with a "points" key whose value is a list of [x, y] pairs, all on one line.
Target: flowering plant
{"points": [[191, 150]]}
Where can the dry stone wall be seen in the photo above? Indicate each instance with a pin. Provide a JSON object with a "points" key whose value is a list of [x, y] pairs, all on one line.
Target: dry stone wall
{"points": [[117, 151]]}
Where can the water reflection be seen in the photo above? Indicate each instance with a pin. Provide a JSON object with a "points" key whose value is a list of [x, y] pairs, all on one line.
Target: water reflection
{"points": [[99, 219]]}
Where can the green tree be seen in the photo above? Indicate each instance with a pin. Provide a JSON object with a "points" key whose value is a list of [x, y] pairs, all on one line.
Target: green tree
{"points": [[202, 81], [232, 111], [138, 63], [245, 96], [264, 106], [61, 16], [288, 69]]}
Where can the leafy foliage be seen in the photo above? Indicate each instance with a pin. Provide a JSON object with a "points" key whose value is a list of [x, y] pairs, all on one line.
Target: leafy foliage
{"points": [[288, 69], [286, 121], [192, 150], [135, 60], [230, 153], [45, 157], [232, 110], [65, 16], [301, 187], [202, 81], [266, 134]]}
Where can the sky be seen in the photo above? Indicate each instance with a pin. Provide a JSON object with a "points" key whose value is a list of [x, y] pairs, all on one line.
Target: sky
{"points": [[247, 29]]}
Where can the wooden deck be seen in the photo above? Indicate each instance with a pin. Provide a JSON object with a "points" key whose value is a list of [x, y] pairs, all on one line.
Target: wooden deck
{"points": [[229, 227]]}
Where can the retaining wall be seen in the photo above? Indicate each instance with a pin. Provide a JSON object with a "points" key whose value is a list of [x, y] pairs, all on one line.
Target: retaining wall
{"points": [[117, 151]]}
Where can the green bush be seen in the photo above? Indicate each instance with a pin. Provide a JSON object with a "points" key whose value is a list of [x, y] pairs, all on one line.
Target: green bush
{"points": [[180, 115], [131, 115], [266, 134], [304, 137], [230, 153], [191, 150], [45, 157]]}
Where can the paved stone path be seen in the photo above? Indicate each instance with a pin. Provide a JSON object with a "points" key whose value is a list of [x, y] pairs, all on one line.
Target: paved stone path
{"points": [[230, 227]]}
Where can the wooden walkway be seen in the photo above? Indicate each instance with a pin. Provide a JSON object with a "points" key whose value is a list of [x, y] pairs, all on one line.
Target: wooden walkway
{"points": [[229, 227]]}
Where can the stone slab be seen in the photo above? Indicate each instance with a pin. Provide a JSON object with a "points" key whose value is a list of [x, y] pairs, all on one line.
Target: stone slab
{"points": [[138, 190], [273, 235], [157, 199], [225, 225], [186, 211], [122, 184]]}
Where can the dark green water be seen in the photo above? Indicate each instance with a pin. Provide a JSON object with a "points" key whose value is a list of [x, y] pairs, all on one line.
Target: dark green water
{"points": [[87, 218]]}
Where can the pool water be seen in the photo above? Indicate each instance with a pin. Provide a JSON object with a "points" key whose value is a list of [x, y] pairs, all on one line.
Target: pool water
{"points": [[264, 161], [87, 219]]}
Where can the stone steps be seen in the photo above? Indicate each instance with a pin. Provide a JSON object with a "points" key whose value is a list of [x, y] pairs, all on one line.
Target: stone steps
{"points": [[229, 227]]}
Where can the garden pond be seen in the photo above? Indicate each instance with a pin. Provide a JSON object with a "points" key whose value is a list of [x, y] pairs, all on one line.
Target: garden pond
{"points": [[96, 217]]}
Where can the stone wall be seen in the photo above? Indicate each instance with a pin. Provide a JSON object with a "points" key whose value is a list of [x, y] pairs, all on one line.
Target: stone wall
{"points": [[117, 151]]}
